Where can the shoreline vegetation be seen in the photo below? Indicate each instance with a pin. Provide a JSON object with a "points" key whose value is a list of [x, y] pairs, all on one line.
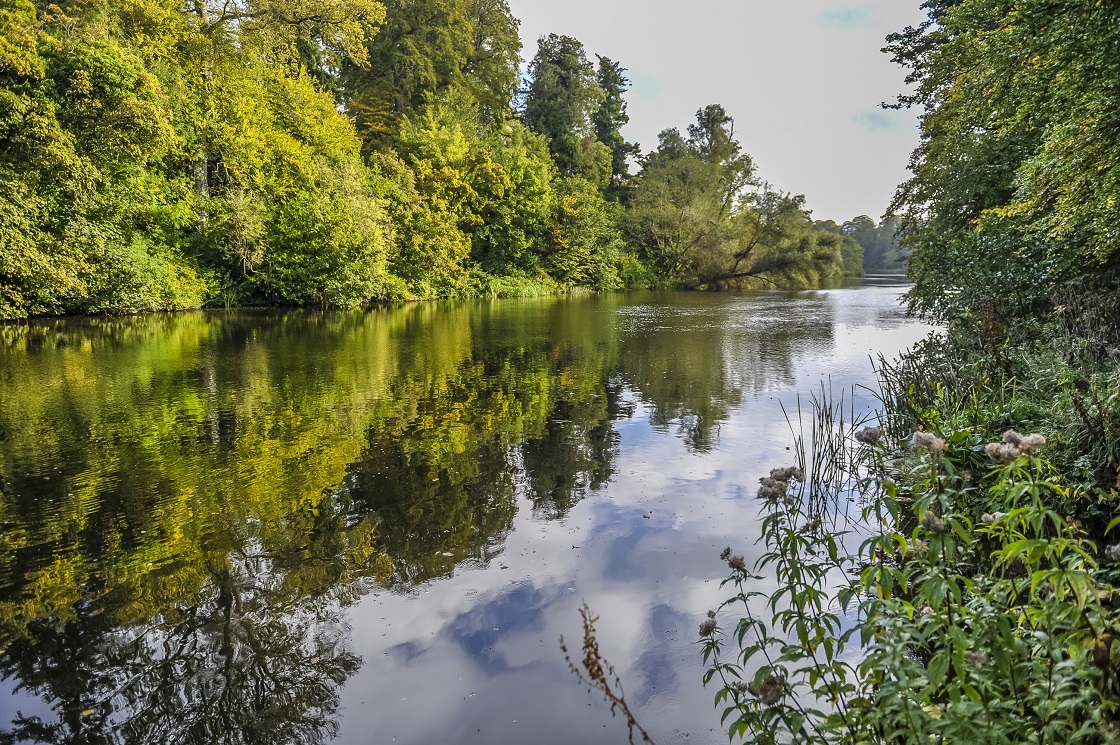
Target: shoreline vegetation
{"points": [[975, 597], [161, 156], [972, 595]]}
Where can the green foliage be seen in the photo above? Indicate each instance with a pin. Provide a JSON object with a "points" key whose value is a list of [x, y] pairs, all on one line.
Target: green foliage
{"points": [[514, 223], [879, 247], [118, 152], [156, 156], [851, 257], [1018, 157], [421, 50], [494, 61], [427, 243], [980, 610], [1001, 628], [562, 97], [609, 119], [1063, 387], [585, 239], [81, 120], [700, 215]]}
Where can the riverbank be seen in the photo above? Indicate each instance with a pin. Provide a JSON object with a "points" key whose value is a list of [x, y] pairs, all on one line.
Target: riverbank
{"points": [[979, 603], [484, 287]]}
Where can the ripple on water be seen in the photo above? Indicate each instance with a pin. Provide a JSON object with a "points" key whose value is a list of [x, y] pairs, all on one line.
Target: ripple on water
{"points": [[382, 522]]}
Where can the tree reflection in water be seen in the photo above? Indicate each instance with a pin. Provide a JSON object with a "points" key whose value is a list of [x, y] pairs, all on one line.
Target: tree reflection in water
{"points": [[247, 662], [189, 504], [576, 452]]}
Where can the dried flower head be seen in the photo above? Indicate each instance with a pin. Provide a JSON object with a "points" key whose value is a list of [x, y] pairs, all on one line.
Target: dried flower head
{"points": [[925, 611], [708, 627], [1032, 444], [1014, 445], [990, 517], [810, 527], [1001, 454], [738, 563], [916, 549], [711, 614], [725, 554], [790, 473], [932, 522], [1113, 552], [976, 657], [770, 690], [772, 489], [925, 441], [870, 435]]}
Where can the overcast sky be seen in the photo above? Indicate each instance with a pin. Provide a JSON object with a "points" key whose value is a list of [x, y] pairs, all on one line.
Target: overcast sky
{"points": [[803, 80]]}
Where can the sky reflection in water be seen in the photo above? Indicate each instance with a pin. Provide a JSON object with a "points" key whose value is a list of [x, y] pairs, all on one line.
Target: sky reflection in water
{"points": [[374, 527]]}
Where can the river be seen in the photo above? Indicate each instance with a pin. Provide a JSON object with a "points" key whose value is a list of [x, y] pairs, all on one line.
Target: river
{"points": [[374, 526]]}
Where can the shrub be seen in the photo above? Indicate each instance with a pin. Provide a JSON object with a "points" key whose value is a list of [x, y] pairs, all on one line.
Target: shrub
{"points": [[975, 608]]}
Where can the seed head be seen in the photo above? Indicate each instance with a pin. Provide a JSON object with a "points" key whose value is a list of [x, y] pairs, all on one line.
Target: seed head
{"points": [[926, 441], [770, 691], [772, 488], [916, 549], [1032, 444], [1001, 454], [870, 435], [932, 522], [708, 627], [810, 527], [1014, 445]]}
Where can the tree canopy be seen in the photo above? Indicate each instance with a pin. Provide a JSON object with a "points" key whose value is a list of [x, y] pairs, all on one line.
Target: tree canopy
{"points": [[1015, 189], [158, 156], [701, 215]]}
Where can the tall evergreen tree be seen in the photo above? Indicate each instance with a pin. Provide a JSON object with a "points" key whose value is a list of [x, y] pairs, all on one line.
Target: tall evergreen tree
{"points": [[562, 95], [609, 119]]}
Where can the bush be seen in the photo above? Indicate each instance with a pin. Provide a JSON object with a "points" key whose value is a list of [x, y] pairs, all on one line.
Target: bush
{"points": [[975, 609]]}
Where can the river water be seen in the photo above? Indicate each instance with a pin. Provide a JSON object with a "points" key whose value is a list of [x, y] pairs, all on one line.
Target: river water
{"points": [[373, 527]]}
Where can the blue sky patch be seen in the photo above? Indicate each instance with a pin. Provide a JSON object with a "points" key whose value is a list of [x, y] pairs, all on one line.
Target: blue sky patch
{"points": [[645, 86], [876, 120], [846, 19]]}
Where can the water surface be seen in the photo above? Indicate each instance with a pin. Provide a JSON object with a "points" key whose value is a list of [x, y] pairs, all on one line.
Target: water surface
{"points": [[373, 527]]}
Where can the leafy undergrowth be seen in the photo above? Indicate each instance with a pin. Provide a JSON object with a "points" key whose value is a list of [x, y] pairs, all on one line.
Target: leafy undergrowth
{"points": [[971, 600]]}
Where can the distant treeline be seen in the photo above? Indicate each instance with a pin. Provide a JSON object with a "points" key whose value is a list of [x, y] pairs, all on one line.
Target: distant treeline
{"points": [[157, 155], [880, 243]]}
